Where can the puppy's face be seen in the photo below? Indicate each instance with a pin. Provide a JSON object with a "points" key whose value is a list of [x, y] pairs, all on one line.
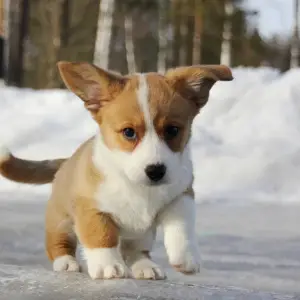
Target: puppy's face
{"points": [[145, 120]]}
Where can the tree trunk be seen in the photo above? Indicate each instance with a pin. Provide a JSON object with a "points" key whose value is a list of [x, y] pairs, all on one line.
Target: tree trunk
{"points": [[104, 32], [163, 11], [295, 39], [171, 33], [2, 9], [176, 36], [145, 33], [2, 34], [198, 28], [65, 23], [129, 43], [43, 45], [227, 34], [15, 34], [117, 54], [54, 11], [184, 9]]}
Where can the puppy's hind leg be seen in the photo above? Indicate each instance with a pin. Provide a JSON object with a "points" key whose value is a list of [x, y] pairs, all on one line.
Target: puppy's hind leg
{"points": [[61, 241]]}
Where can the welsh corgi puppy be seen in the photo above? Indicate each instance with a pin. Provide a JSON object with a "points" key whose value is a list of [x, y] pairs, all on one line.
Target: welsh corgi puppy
{"points": [[134, 175]]}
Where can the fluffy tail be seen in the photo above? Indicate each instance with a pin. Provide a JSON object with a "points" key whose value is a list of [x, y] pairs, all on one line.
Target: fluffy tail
{"points": [[28, 171]]}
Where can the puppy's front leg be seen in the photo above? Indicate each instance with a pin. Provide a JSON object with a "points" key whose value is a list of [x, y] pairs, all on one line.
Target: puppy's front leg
{"points": [[100, 238], [178, 222]]}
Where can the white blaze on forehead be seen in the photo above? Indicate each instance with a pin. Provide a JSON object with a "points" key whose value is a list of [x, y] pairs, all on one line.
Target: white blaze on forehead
{"points": [[143, 100]]}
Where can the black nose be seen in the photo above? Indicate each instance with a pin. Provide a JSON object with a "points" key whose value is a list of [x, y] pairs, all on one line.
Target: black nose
{"points": [[155, 172]]}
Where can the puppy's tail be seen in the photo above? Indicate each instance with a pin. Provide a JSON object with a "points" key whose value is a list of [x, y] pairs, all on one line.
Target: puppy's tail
{"points": [[27, 171]]}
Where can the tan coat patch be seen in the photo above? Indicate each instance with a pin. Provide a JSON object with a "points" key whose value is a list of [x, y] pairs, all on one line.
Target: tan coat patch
{"points": [[72, 206]]}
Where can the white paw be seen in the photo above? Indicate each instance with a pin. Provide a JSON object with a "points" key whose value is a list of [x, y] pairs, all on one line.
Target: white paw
{"points": [[144, 268], [107, 271], [105, 263], [187, 262], [66, 263]]}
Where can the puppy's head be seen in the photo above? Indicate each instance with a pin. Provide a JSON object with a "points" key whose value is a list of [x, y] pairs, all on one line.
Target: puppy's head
{"points": [[145, 120]]}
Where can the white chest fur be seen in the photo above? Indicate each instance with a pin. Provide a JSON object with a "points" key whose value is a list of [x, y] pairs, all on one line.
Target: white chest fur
{"points": [[133, 208], [132, 204]]}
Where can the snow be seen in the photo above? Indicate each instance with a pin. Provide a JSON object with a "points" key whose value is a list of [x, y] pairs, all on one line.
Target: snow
{"points": [[253, 247], [245, 144], [31, 283], [4, 154]]}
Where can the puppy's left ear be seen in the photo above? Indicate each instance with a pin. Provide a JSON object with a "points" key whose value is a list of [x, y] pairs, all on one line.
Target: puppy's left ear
{"points": [[194, 82], [95, 86]]}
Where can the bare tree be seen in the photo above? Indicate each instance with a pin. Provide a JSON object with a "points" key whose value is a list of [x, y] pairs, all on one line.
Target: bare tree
{"points": [[227, 34], [2, 22], [129, 43], [2, 19], [104, 32], [198, 28], [183, 32], [174, 32], [163, 8], [53, 14], [15, 30], [294, 63]]}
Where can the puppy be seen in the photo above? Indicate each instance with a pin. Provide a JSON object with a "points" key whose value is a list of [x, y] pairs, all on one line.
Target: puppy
{"points": [[133, 176]]}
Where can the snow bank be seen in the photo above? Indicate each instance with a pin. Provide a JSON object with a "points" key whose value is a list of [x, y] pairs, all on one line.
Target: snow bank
{"points": [[245, 146]]}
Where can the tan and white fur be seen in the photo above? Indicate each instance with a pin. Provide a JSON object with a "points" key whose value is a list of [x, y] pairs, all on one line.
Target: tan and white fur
{"points": [[135, 175]]}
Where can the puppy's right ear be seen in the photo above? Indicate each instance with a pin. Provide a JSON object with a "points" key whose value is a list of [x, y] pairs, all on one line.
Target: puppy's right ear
{"points": [[95, 86], [195, 82]]}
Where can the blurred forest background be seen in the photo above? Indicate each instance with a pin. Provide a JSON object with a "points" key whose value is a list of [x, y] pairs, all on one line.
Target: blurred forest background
{"points": [[133, 36]]}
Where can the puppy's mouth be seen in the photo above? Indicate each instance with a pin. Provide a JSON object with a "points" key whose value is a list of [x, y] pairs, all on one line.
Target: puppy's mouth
{"points": [[156, 183]]}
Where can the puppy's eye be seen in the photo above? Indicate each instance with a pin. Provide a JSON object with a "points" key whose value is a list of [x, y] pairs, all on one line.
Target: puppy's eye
{"points": [[171, 132], [129, 134]]}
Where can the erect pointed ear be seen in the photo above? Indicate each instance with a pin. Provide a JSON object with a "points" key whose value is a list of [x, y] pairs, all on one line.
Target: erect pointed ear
{"points": [[93, 85], [195, 82]]}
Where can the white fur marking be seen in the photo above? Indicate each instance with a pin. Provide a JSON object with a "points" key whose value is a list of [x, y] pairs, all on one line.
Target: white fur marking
{"points": [[144, 268], [105, 263], [143, 100], [66, 263], [178, 221]]}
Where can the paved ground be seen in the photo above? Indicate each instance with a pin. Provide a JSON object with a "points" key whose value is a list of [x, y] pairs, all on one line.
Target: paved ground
{"points": [[248, 252]]}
